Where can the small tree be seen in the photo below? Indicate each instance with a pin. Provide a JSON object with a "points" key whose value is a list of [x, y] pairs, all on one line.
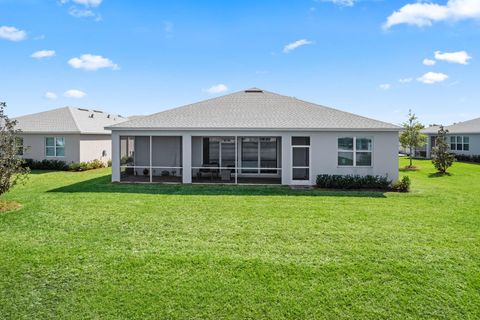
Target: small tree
{"points": [[412, 137], [11, 169], [441, 157]]}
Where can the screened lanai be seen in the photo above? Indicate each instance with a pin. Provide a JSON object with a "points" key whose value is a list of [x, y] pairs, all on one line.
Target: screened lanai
{"points": [[151, 159], [234, 159], [214, 159]]}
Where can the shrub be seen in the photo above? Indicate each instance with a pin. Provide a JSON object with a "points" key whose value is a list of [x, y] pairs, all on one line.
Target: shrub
{"points": [[109, 163], [45, 164], [58, 165], [84, 166], [468, 158], [402, 185], [352, 182], [74, 166]]}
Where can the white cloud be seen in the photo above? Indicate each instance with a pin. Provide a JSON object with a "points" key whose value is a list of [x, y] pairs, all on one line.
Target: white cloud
{"points": [[88, 3], [43, 54], [74, 93], [423, 14], [294, 45], [460, 57], [432, 77], [429, 62], [385, 86], [343, 3], [218, 88], [91, 62], [405, 80], [50, 95], [84, 13], [12, 33], [80, 13]]}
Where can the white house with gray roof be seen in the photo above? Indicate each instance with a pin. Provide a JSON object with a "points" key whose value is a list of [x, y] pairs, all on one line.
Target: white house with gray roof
{"points": [[463, 138], [68, 134], [252, 136]]}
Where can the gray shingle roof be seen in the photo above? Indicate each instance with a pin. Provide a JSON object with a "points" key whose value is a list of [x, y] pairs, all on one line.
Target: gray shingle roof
{"points": [[255, 109], [68, 120], [470, 126]]}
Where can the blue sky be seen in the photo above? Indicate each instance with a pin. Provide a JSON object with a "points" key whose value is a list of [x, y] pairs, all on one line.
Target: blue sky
{"points": [[141, 57]]}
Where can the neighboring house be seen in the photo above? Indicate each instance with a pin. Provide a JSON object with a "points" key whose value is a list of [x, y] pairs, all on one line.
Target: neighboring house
{"points": [[463, 138], [252, 136], [68, 134]]}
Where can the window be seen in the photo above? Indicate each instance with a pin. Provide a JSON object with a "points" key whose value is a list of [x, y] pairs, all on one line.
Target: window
{"points": [[354, 152], [459, 143], [19, 145], [55, 146]]}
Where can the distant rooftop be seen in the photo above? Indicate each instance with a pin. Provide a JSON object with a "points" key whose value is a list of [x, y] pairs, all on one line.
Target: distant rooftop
{"points": [[69, 120], [470, 126], [256, 109]]}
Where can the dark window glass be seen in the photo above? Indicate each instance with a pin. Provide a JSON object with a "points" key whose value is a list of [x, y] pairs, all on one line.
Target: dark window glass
{"points": [[268, 154], [300, 141], [228, 154], [301, 174], [249, 155], [345, 158], [364, 159], [364, 144], [301, 157], [345, 144], [213, 152]]}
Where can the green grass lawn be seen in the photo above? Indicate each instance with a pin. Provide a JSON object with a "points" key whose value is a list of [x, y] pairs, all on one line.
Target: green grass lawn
{"points": [[81, 247]]}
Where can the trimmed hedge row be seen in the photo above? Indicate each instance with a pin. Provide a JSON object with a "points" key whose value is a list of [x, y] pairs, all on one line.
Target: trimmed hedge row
{"points": [[57, 165], [468, 158], [357, 182]]}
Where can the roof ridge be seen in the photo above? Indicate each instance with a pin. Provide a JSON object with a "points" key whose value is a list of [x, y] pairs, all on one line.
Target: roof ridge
{"points": [[75, 121]]}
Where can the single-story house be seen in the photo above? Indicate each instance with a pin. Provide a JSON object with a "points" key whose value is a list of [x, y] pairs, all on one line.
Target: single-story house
{"points": [[252, 136], [67, 134], [463, 138]]}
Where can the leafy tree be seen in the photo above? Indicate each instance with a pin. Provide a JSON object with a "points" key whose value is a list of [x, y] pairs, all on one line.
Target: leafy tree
{"points": [[412, 137], [11, 166], [441, 157]]}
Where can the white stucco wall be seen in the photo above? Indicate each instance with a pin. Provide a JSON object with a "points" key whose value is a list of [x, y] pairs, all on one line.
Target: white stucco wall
{"points": [[323, 151], [92, 147], [35, 144]]}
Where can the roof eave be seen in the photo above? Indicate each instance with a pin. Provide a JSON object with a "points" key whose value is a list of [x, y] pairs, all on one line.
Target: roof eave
{"points": [[395, 129]]}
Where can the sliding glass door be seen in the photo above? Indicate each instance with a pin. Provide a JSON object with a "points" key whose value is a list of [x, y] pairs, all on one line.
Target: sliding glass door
{"points": [[259, 154]]}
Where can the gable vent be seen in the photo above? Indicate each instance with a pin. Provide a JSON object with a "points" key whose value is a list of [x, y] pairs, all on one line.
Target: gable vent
{"points": [[254, 90]]}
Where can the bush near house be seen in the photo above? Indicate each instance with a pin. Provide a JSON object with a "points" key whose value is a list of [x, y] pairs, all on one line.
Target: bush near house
{"points": [[467, 158], [58, 165], [402, 185], [352, 182], [55, 165], [84, 166], [357, 182]]}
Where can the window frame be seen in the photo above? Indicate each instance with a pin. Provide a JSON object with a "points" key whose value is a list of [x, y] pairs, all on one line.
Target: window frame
{"points": [[458, 140], [54, 146], [355, 151]]}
